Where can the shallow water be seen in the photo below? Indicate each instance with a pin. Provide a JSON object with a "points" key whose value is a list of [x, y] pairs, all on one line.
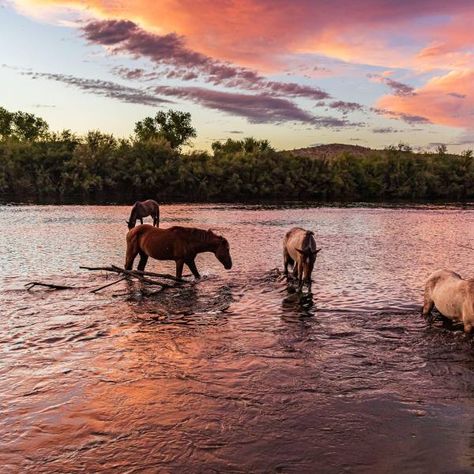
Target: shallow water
{"points": [[236, 372]]}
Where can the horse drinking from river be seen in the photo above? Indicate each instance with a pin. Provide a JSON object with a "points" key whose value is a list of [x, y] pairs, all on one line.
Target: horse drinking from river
{"points": [[143, 209], [452, 295], [180, 244], [299, 250]]}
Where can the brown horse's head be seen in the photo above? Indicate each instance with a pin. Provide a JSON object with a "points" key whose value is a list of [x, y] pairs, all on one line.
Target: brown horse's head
{"points": [[222, 253], [130, 225], [309, 259]]}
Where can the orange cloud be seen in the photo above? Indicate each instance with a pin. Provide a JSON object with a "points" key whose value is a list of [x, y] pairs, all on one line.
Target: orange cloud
{"points": [[261, 32], [419, 35], [446, 100]]}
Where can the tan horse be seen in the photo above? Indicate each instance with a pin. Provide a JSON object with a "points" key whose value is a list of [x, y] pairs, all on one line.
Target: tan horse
{"points": [[299, 250], [452, 295], [143, 209], [180, 244]]}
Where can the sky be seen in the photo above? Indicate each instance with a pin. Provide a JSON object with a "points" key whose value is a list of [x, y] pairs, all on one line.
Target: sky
{"points": [[301, 73]]}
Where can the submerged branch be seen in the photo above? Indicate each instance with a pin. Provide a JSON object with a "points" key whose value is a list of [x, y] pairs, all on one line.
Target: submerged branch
{"points": [[137, 274], [108, 284], [115, 269], [143, 277], [31, 284]]}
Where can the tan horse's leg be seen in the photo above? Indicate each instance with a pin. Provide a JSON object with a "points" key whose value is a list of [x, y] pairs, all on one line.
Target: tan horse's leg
{"points": [[467, 315], [300, 275], [428, 303], [287, 260]]}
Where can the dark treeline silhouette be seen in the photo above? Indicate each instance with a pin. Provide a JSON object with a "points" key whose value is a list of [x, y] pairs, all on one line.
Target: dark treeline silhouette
{"points": [[37, 165]]}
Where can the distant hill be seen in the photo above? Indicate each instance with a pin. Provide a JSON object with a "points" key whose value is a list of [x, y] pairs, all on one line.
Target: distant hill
{"points": [[332, 150]]}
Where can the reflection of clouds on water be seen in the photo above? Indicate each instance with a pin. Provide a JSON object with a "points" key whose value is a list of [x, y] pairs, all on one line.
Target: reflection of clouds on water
{"points": [[236, 371]]}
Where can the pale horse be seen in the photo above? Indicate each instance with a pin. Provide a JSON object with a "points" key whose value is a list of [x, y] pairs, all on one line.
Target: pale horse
{"points": [[299, 250], [452, 295]]}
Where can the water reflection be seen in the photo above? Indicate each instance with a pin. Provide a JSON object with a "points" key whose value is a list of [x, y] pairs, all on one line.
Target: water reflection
{"points": [[236, 372], [299, 302]]}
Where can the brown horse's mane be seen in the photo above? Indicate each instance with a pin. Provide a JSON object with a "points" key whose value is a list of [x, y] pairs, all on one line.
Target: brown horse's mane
{"points": [[198, 234]]}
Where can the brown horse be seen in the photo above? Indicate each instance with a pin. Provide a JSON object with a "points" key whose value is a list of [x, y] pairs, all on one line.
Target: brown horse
{"points": [[299, 250], [180, 244], [143, 209]]}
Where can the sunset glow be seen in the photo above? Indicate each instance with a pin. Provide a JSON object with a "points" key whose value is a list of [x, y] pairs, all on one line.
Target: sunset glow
{"points": [[297, 73]]}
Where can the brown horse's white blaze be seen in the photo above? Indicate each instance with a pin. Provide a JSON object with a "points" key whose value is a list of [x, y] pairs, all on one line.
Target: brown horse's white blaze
{"points": [[299, 250], [180, 244], [452, 295], [143, 209]]}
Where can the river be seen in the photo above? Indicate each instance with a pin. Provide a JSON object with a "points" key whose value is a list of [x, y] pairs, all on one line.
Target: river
{"points": [[236, 372]]}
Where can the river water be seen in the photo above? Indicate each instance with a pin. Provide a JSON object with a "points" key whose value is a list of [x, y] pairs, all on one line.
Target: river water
{"points": [[236, 372]]}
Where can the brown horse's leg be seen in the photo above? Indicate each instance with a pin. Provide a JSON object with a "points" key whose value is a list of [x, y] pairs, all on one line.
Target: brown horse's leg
{"points": [[179, 268], [132, 252], [193, 268], [141, 220], [143, 261]]}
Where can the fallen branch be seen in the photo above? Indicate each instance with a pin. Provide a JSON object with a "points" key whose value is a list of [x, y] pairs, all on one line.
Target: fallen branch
{"points": [[142, 278], [31, 284], [108, 284], [139, 275], [115, 269]]}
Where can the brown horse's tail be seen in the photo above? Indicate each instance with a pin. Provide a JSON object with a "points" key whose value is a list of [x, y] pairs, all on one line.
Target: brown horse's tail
{"points": [[133, 246]]}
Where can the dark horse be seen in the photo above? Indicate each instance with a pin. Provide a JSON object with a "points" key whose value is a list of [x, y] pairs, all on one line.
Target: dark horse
{"points": [[143, 209], [180, 244]]}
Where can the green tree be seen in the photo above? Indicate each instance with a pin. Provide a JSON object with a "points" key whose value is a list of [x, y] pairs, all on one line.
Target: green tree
{"points": [[6, 123], [173, 125], [29, 127]]}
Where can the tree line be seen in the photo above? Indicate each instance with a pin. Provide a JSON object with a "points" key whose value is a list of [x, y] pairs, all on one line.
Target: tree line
{"points": [[38, 165]]}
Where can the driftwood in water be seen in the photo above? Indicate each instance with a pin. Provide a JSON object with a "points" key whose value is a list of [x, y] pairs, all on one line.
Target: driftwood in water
{"points": [[108, 284], [31, 284], [136, 273], [143, 277]]}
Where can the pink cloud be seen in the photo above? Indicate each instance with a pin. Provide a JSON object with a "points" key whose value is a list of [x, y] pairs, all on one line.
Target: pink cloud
{"points": [[446, 100], [171, 50], [260, 32]]}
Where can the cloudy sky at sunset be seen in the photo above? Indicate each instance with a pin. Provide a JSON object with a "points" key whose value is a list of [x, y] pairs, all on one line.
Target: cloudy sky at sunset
{"points": [[300, 72]]}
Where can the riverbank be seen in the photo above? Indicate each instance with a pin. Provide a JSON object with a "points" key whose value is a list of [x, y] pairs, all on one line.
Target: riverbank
{"points": [[98, 169]]}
